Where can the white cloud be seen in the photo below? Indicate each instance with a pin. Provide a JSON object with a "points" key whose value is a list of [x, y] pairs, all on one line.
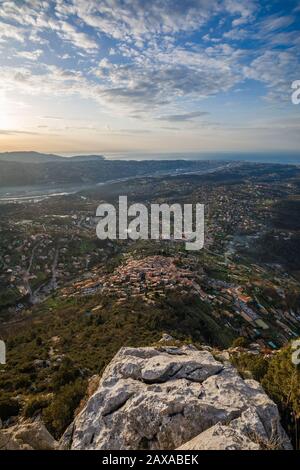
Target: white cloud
{"points": [[244, 9], [79, 39], [34, 13], [161, 76], [8, 31], [147, 69], [277, 70], [275, 22], [184, 117], [137, 18], [30, 55]]}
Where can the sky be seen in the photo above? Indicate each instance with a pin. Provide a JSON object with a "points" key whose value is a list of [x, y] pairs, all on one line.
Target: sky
{"points": [[105, 76]]}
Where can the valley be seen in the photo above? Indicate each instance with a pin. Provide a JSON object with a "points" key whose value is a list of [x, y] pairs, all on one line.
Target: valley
{"points": [[69, 301]]}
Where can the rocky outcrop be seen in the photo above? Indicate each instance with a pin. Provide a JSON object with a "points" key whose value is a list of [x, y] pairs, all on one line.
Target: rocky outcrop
{"points": [[244, 433], [29, 435], [220, 437], [166, 397]]}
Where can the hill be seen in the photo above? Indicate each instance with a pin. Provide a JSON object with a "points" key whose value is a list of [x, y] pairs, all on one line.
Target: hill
{"points": [[28, 157], [37, 157], [32, 169]]}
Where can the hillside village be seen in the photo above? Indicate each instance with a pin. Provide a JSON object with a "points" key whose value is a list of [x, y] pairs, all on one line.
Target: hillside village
{"points": [[154, 277]]}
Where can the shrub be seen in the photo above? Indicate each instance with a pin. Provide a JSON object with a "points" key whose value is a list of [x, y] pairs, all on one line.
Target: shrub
{"points": [[8, 407], [35, 406], [59, 414], [282, 384], [256, 364], [280, 379], [239, 342], [66, 373]]}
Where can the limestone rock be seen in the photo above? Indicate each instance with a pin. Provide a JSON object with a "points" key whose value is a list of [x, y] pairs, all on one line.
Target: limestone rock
{"points": [[92, 386], [162, 397], [220, 437], [244, 433], [29, 435]]}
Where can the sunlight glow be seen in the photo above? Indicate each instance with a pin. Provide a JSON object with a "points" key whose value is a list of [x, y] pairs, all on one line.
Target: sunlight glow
{"points": [[3, 111]]}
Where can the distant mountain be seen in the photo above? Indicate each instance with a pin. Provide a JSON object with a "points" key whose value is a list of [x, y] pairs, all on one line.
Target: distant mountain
{"points": [[33, 168], [28, 157], [37, 157]]}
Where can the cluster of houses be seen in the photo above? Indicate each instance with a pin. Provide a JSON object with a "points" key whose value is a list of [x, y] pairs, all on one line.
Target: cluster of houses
{"points": [[153, 277], [144, 278]]}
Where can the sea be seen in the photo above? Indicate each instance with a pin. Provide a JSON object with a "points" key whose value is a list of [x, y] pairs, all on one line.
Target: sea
{"points": [[282, 157]]}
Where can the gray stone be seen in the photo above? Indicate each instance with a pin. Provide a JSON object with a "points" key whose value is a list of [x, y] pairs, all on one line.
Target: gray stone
{"points": [[27, 435], [161, 398], [220, 437]]}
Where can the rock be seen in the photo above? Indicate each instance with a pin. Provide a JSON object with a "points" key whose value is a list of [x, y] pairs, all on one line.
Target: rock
{"points": [[92, 386], [162, 397], [250, 424], [244, 433], [29, 435], [205, 347], [166, 338], [223, 356], [220, 437]]}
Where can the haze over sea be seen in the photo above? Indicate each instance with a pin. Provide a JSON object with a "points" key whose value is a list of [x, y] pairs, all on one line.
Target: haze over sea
{"points": [[285, 158]]}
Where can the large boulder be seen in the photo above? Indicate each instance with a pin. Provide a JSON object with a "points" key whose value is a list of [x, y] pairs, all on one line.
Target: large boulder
{"points": [[28, 435], [164, 396]]}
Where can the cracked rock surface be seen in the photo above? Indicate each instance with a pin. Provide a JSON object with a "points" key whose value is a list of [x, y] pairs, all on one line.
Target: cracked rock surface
{"points": [[164, 397], [28, 435]]}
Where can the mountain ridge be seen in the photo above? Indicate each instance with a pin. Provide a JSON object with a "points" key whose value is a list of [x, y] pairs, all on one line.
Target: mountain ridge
{"points": [[38, 157]]}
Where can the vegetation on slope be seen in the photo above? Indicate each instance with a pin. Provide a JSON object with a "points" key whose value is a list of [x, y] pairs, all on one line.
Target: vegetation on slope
{"points": [[65, 342], [281, 380]]}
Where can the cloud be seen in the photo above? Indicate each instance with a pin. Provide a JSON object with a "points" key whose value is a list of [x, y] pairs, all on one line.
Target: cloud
{"points": [[134, 131], [182, 117], [277, 69], [8, 31], [163, 76], [32, 18], [45, 80], [243, 9], [16, 132], [151, 62], [30, 55], [53, 117], [275, 22], [140, 19], [79, 39], [28, 17]]}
